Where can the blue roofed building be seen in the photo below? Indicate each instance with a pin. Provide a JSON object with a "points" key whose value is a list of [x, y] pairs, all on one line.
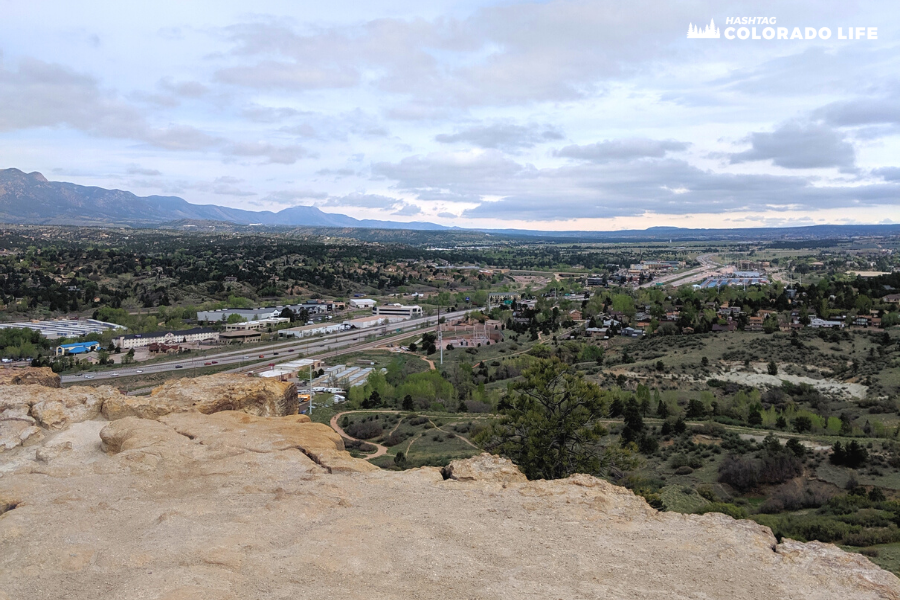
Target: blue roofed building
{"points": [[77, 348]]}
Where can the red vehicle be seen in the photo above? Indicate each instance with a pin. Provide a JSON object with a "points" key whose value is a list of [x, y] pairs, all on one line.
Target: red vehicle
{"points": [[207, 364], [262, 355], [215, 362]]}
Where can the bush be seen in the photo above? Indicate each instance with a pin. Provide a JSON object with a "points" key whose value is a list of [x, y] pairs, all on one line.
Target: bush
{"points": [[853, 456], [739, 472], [364, 430], [733, 511], [685, 470]]}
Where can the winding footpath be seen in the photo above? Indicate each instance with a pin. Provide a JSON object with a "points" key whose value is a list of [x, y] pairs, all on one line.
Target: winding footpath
{"points": [[380, 449]]}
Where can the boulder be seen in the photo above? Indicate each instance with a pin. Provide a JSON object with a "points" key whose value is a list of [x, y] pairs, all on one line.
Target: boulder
{"points": [[484, 467], [30, 376], [209, 394]]}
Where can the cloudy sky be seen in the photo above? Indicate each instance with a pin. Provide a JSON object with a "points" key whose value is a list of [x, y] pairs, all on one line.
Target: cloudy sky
{"points": [[539, 115]]}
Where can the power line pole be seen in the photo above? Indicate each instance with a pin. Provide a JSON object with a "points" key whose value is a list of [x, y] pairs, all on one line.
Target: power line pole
{"points": [[440, 335]]}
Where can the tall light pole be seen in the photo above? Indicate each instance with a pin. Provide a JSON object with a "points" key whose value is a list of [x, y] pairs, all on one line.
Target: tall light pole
{"points": [[440, 335], [309, 410]]}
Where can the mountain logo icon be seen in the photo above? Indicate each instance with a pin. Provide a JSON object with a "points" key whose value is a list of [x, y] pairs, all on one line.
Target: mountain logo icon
{"points": [[711, 31]]}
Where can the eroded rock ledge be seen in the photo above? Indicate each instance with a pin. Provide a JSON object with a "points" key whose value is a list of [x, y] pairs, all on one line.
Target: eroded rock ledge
{"points": [[235, 505]]}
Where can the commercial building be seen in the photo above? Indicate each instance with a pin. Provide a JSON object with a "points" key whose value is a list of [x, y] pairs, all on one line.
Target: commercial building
{"points": [[313, 330], [398, 310], [77, 348], [362, 303], [256, 325], [63, 328], [247, 336], [372, 321], [169, 338], [296, 368]]}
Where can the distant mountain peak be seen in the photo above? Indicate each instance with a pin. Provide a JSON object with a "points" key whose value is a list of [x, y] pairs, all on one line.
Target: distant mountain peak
{"points": [[32, 199]]}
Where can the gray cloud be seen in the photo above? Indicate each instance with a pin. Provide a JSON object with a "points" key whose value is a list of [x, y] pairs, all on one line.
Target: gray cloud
{"points": [[364, 201], [440, 171], [268, 114], [504, 135], [185, 89], [287, 75], [286, 155], [888, 173], [408, 210], [797, 145], [612, 189], [861, 111], [138, 170], [499, 55], [627, 149]]}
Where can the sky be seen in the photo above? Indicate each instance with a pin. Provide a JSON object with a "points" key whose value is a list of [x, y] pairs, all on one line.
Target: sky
{"points": [[556, 115]]}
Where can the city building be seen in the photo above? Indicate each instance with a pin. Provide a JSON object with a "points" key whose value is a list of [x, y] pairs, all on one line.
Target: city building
{"points": [[64, 328], [312, 330], [248, 314], [247, 336], [362, 303], [398, 310], [169, 338], [77, 348], [256, 325]]}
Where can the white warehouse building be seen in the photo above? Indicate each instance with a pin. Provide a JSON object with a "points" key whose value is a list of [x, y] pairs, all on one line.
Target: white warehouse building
{"points": [[362, 303], [398, 310]]}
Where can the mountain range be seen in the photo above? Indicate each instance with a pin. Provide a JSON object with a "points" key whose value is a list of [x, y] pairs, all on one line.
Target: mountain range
{"points": [[29, 198]]}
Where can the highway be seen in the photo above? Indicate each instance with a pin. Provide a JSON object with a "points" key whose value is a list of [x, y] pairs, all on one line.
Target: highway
{"points": [[706, 269], [259, 358]]}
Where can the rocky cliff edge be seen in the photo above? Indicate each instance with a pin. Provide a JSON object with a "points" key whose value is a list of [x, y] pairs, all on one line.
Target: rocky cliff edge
{"points": [[236, 504]]}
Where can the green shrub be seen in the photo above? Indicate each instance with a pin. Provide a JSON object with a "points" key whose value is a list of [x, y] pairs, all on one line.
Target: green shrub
{"points": [[733, 511]]}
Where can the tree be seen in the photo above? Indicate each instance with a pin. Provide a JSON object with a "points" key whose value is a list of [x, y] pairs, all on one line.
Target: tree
{"points": [[802, 424], [634, 424], [400, 459], [550, 422], [704, 361], [695, 409], [772, 368], [662, 409], [853, 456], [407, 402]]}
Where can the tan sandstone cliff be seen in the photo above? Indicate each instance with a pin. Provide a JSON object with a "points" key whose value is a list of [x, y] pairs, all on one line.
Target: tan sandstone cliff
{"points": [[232, 505]]}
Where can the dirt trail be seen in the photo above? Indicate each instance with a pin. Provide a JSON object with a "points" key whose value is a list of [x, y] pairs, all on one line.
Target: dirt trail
{"points": [[380, 450]]}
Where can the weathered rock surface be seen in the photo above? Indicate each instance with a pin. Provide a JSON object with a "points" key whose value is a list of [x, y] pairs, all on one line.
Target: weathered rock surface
{"points": [[210, 394], [30, 375], [237, 506], [485, 467], [25, 409]]}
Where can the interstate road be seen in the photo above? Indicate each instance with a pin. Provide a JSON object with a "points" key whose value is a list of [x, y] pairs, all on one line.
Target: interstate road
{"points": [[244, 359]]}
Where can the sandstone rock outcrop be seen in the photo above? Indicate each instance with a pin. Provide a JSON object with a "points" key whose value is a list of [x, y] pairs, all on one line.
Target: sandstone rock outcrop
{"points": [[484, 467], [232, 505], [209, 394], [30, 376], [25, 409]]}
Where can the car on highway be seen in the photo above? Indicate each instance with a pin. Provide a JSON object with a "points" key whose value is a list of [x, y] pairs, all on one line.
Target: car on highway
{"points": [[206, 364], [215, 362], [138, 371], [178, 367], [115, 374], [275, 353], [262, 355]]}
